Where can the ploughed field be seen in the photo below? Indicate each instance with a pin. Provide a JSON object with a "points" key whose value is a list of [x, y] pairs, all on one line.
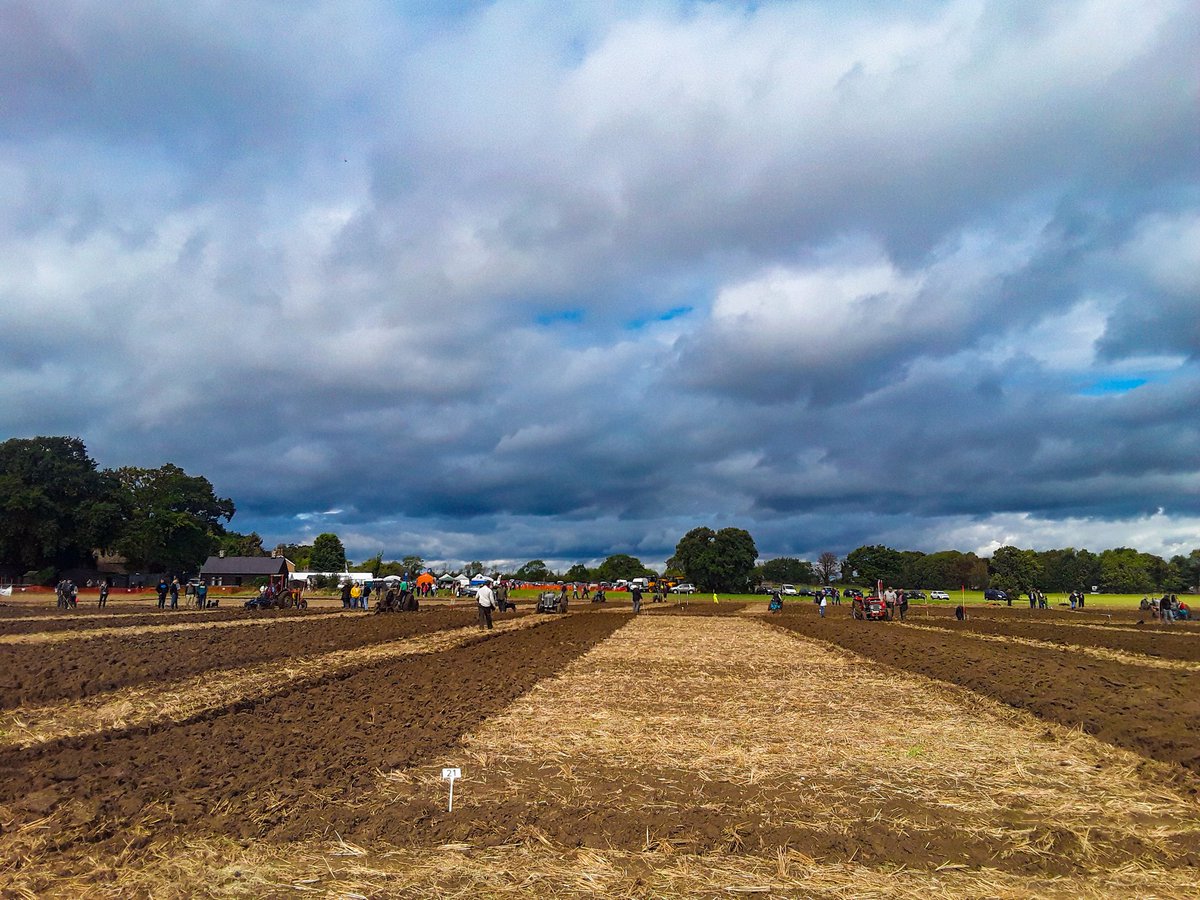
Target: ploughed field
{"points": [[698, 750]]}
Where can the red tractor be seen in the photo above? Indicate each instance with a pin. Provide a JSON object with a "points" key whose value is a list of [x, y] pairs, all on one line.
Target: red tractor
{"points": [[870, 608]]}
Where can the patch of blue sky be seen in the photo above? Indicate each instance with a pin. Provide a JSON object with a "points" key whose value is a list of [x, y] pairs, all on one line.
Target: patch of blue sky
{"points": [[674, 312], [1107, 386], [559, 316]]}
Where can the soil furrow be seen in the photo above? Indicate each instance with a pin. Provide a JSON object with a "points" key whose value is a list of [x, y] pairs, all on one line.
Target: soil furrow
{"points": [[156, 704], [38, 674], [73, 621], [1154, 641], [1064, 644]]}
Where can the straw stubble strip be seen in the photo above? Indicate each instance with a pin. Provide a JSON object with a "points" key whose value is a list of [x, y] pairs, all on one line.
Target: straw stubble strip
{"points": [[219, 868], [809, 737]]}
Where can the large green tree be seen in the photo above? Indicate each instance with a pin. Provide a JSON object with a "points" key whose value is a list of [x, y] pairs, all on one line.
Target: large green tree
{"points": [[949, 570], [1123, 571], [867, 565], [717, 560], [55, 507], [578, 572], [535, 570], [235, 544], [1069, 569], [786, 570], [172, 519], [1014, 569], [328, 554], [299, 554], [622, 566]]}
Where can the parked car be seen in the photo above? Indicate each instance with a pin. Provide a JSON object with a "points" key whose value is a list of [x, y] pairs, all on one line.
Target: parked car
{"points": [[852, 593], [685, 588], [788, 590], [914, 595], [938, 595], [995, 596]]}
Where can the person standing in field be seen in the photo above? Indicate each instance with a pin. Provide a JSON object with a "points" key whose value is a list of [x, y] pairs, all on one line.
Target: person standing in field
{"points": [[636, 593], [825, 602], [902, 605], [103, 593], [355, 595], [345, 595], [174, 593], [202, 596], [161, 589], [485, 600]]}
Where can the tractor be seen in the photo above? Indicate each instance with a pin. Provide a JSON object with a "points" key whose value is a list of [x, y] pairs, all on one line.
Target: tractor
{"points": [[279, 595], [870, 608]]}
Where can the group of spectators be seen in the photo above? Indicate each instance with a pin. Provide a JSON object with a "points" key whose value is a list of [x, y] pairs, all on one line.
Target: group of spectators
{"points": [[1166, 608], [67, 592]]}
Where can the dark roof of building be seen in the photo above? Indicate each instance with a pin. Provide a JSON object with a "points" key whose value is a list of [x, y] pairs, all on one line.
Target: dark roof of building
{"points": [[245, 565]]}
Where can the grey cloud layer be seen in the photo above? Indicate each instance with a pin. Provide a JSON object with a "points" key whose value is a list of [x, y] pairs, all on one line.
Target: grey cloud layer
{"points": [[418, 268]]}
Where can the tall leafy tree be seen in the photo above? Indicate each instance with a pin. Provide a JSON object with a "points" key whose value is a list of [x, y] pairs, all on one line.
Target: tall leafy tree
{"points": [[717, 560], [578, 572], [413, 565], [328, 554], [786, 570], [1014, 569], [173, 520], [299, 554], [55, 507], [534, 570], [235, 544], [622, 566], [873, 563]]}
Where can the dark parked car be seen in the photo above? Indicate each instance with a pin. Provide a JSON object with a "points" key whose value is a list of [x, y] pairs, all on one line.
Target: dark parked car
{"points": [[914, 595], [995, 596], [853, 593]]}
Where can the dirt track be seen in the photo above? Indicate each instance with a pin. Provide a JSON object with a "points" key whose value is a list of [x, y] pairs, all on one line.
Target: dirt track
{"points": [[1152, 712]]}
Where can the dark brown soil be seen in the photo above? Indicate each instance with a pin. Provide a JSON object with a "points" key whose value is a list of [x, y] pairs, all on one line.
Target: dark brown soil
{"points": [[290, 765], [1152, 641], [39, 673], [75, 620], [1153, 712]]}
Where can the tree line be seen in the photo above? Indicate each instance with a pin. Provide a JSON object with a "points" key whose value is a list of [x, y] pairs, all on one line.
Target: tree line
{"points": [[57, 508], [1118, 571]]}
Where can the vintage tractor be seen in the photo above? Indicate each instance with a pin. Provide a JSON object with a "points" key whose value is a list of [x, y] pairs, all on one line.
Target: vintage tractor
{"points": [[279, 595], [870, 608], [550, 602]]}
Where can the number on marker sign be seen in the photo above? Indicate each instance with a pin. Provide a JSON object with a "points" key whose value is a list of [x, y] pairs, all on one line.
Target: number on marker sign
{"points": [[451, 773]]}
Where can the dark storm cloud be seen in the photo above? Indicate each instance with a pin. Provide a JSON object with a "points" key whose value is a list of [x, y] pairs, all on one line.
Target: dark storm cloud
{"points": [[413, 275]]}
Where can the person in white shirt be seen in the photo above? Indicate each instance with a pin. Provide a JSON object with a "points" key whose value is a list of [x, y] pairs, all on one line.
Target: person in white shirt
{"points": [[486, 600], [824, 603]]}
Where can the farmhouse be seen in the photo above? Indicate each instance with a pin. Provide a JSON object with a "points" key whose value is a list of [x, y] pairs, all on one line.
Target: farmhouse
{"points": [[234, 571]]}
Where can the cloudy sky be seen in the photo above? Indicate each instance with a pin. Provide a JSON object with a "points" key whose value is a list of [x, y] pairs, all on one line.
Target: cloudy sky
{"points": [[519, 280]]}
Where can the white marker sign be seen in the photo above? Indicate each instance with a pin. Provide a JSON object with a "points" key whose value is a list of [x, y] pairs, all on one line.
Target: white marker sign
{"points": [[450, 775]]}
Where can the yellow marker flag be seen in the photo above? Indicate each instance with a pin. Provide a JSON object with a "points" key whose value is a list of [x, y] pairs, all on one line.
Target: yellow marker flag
{"points": [[715, 600]]}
